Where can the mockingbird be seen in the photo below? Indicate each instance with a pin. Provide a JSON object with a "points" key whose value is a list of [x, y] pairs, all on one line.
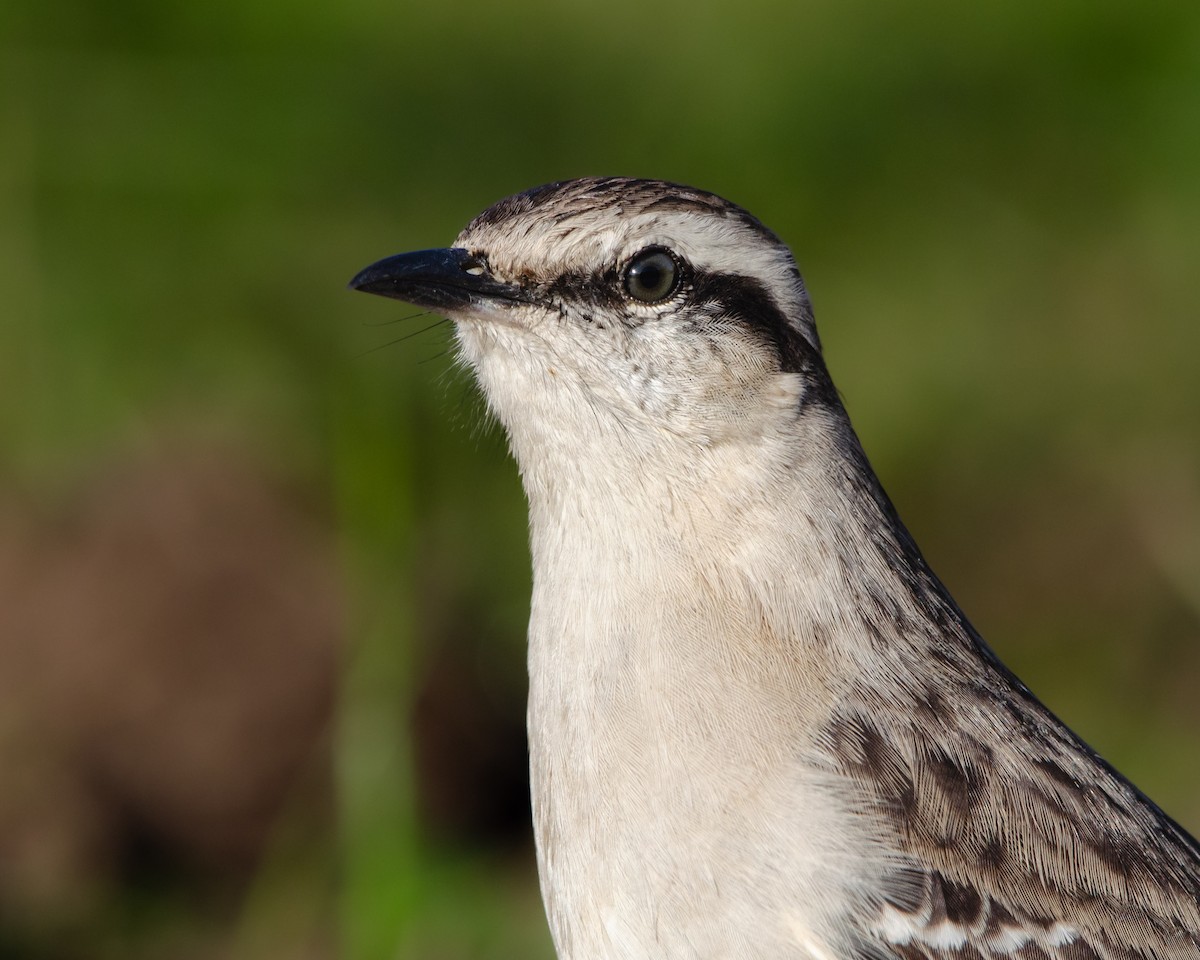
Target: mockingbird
{"points": [[759, 726]]}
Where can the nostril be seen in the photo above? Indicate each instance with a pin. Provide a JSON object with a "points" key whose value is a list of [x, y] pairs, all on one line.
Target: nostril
{"points": [[475, 264]]}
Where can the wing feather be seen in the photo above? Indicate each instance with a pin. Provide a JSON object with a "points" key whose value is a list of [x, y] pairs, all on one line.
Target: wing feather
{"points": [[1018, 842]]}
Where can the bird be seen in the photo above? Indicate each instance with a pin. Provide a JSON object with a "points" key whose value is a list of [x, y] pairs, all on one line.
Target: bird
{"points": [[759, 725]]}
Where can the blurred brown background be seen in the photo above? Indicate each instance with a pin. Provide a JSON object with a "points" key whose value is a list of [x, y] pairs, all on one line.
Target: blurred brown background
{"points": [[263, 580]]}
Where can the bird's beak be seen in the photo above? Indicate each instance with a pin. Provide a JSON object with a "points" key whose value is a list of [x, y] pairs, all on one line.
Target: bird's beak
{"points": [[439, 279]]}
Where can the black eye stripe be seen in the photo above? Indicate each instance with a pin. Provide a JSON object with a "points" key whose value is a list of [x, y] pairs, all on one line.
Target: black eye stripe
{"points": [[749, 301], [733, 294]]}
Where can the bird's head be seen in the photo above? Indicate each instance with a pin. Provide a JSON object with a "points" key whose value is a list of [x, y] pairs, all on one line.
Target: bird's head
{"points": [[633, 308]]}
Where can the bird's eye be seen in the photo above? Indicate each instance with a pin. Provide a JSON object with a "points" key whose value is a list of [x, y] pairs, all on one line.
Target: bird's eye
{"points": [[651, 276]]}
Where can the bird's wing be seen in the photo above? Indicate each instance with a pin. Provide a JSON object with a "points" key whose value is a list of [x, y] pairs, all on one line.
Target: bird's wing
{"points": [[1019, 842], [956, 921]]}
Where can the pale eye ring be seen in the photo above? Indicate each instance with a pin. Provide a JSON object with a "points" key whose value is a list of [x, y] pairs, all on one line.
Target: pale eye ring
{"points": [[652, 275]]}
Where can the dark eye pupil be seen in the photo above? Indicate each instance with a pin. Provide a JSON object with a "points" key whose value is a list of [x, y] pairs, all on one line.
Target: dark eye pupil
{"points": [[651, 277]]}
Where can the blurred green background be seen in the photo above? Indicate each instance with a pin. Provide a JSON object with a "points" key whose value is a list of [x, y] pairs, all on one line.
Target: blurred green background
{"points": [[263, 579]]}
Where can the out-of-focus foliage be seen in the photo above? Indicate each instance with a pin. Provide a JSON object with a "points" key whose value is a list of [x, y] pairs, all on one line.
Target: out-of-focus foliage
{"points": [[256, 557]]}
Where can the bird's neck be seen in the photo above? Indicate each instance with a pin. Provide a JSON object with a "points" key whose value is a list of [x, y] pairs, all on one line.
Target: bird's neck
{"points": [[686, 621], [642, 557]]}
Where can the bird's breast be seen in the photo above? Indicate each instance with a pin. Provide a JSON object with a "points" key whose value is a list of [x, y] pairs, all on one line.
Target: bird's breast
{"points": [[673, 775]]}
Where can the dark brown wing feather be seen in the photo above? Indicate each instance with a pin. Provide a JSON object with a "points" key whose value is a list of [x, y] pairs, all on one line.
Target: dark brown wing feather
{"points": [[1016, 830]]}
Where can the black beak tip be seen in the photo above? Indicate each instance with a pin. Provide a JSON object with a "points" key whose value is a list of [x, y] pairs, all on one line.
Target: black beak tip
{"points": [[433, 278], [407, 272], [367, 280]]}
